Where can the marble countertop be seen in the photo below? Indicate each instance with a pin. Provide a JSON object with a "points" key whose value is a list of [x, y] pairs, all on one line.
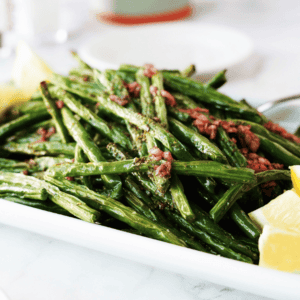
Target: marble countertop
{"points": [[36, 267]]}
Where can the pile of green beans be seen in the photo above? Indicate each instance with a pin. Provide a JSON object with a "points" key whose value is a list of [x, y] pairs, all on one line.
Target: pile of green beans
{"points": [[74, 150]]}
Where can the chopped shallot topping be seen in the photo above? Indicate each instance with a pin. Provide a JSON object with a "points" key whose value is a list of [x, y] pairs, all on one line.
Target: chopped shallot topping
{"points": [[45, 134], [168, 156], [70, 178], [50, 132], [118, 100], [164, 170], [133, 89], [59, 104], [247, 138], [233, 140], [153, 90], [194, 112], [25, 172], [156, 153], [259, 163], [273, 127], [150, 70], [169, 98]]}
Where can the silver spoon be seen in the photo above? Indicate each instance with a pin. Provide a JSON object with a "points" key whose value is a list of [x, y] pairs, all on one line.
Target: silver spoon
{"points": [[270, 104]]}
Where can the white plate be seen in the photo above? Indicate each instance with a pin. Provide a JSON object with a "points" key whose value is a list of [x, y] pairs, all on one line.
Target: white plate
{"points": [[169, 46], [231, 273], [223, 271]]}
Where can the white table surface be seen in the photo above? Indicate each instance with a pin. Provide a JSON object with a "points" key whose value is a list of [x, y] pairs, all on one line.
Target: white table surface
{"points": [[34, 267]]}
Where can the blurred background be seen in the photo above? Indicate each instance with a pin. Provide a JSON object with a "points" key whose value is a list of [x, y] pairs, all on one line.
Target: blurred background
{"points": [[256, 40]]}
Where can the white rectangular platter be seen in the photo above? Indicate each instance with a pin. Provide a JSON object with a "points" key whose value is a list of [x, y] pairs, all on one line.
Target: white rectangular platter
{"points": [[231, 273]]}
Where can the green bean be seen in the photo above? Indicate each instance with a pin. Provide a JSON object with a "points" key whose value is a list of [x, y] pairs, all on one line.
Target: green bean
{"points": [[87, 90], [208, 95], [244, 222], [82, 64], [70, 203], [145, 95], [118, 211], [279, 153], [259, 129], [29, 106], [22, 122], [218, 80], [160, 105], [205, 223], [80, 157], [202, 144], [139, 206], [46, 162], [197, 168], [225, 203], [55, 148], [109, 131], [55, 113], [24, 191], [113, 183], [180, 200], [178, 115], [189, 71], [297, 132], [214, 243], [144, 123], [43, 205]]}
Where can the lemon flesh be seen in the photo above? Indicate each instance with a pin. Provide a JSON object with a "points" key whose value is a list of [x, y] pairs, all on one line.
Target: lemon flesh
{"points": [[279, 249]]}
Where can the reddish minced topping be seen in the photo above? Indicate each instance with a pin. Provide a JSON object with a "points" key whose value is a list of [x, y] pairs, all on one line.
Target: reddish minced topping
{"points": [[156, 119], [259, 163], [247, 138], [233, 140], [153, 90], [118, 100], [133, 89], [168, 156], [70, 178], [45, 134], [31, 162], [156, 153], [194, 112], [25, 172], [275, 128], [268, 187], [149, 70], [59, 104], [164, 170], [169, 98]]}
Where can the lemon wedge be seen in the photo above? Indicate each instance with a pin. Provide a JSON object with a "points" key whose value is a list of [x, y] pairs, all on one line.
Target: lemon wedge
{"points": [[29, 70], [295, 174], [280, 249], [10, 95], [283, 212], [279, 244]]}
